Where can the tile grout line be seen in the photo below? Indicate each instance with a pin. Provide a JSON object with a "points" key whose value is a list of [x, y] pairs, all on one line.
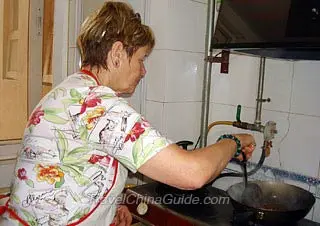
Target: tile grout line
{"points": [[249, 107]]}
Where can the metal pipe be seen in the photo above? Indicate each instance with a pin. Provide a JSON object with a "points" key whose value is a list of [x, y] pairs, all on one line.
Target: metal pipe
{"points": [[260, 91], [207, 74]]}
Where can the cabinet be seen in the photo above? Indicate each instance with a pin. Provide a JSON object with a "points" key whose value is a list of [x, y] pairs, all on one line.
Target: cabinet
{"points": [[14, 17]]}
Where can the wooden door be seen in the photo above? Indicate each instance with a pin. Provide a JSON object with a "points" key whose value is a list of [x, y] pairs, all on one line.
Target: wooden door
{"points": [[14, 17], [48, 17]]}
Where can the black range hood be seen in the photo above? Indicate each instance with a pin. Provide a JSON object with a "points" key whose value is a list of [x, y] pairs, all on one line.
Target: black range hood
{"points": [[288, 29]]}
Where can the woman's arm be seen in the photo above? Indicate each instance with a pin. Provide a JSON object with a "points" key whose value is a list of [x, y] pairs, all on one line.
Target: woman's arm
{"points": [[193, 169]]}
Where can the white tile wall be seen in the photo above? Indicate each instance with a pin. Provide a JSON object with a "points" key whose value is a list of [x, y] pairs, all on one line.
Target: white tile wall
{"points": [[173, 72], [181, 121], [154, 114], [187, 17], [159, 20], [175, 68], [156, 76], [306, 90], [300, 150], [278, 84], [184, 76], [239, 86], [170, 74], [135, 99]]}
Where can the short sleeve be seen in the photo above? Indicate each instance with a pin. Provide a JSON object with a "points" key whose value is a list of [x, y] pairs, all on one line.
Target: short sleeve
{"points": [[132, 140], [141, 143]]}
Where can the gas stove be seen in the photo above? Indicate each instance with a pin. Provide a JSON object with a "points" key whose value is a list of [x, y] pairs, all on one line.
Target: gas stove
{"points": [[157, 204]]}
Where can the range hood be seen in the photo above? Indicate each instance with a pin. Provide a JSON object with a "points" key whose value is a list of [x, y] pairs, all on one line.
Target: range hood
{"points": [[288, 29]]}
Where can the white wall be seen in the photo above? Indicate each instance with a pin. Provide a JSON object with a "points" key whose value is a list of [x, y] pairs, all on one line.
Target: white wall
{"points": [[175, 68], [174, 88]]}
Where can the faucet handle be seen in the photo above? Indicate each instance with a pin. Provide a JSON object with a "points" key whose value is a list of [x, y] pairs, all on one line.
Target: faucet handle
{"points": [[238, 113]]}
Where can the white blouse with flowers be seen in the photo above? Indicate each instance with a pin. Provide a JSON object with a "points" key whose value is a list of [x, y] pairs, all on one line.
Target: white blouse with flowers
{"points": [[79, 142]]}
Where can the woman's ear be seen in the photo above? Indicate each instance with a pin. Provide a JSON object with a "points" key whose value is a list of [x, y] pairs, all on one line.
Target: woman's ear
{"points": [[116, 54]]}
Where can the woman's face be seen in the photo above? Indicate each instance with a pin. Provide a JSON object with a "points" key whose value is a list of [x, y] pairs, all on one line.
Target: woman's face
{"points": [[131, 71]]}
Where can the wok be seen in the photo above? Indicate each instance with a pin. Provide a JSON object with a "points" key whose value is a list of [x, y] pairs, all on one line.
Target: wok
{"points": [[277, 202]]}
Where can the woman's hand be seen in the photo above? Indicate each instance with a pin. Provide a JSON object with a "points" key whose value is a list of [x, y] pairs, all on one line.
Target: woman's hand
{"points": [[123, 216], [248, 145]]}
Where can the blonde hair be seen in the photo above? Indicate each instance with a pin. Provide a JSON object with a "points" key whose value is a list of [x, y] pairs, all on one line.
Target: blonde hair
{"points": [[114, 21]]}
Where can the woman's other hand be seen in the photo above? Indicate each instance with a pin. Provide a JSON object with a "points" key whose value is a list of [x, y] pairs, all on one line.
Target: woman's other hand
{"points": [[123, 216], [248, 145]]}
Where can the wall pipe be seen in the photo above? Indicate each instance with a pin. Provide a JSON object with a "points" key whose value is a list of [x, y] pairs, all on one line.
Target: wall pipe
{"points": [[256, 126], [207, 74], [260, 91]]}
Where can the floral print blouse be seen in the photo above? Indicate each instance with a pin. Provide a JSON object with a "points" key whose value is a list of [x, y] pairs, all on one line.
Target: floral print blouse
{"points": [[79, 142]]}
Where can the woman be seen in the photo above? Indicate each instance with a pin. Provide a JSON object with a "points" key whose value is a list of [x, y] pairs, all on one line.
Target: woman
{"points": [[83, 136]]}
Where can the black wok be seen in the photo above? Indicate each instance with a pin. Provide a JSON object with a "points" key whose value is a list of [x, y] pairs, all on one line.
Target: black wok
{"points": [[278, 202]]}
